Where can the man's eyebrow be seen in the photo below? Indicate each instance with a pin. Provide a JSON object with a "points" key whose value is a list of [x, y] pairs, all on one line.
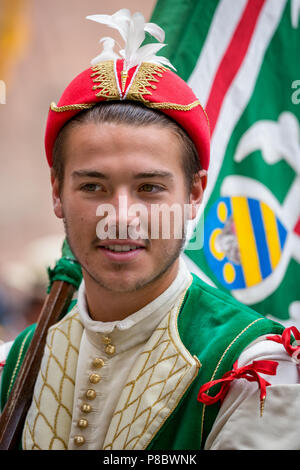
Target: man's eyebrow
{"points": [[89, 174], [141, 175], [154, 174]]}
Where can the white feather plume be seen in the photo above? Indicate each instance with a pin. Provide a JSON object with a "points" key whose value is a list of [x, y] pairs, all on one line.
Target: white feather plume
{"points": [[132, 28]]}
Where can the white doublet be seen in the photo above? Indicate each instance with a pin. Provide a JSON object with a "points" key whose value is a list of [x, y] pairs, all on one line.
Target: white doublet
{"points": [[95, 417], [127, 338]]}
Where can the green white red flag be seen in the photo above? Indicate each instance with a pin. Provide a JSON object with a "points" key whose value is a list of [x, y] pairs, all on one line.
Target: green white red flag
{"points": [[242, 59]]}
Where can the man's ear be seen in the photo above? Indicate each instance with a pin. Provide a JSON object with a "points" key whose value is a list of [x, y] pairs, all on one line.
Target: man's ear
{"points": [[196, 192], [56, 196]]}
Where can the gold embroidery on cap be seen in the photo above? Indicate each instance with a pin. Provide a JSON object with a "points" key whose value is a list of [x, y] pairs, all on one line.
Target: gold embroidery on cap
{"points": [[105, 77], [70, 107], [178, 107], [147, 74]]}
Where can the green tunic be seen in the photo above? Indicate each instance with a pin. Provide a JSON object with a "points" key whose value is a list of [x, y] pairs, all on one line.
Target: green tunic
{"points": [[213, 327]]}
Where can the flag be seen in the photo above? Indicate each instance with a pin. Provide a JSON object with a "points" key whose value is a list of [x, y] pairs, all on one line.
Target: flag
{"points": [[242, 59]]}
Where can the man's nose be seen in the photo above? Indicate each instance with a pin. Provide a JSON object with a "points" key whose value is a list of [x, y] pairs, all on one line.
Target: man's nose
{"points": [[122, 218], [122, 203]]}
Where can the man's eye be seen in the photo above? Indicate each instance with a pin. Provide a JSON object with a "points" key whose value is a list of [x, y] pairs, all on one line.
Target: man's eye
{"points": [[91, 187], [150, 188]]}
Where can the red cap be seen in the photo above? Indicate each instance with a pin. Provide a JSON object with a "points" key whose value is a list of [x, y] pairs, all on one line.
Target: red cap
{"points": [[152, 85]]}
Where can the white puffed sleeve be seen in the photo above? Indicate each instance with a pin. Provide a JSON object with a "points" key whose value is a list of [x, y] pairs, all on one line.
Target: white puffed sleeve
{"points": [[239, 426]]}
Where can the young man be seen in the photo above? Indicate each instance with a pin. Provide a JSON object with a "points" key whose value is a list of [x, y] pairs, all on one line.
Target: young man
{"points": [[131, 365]]}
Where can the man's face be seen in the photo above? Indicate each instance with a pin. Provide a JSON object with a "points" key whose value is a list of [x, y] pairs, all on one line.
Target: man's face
{"points": [[109, 168]]}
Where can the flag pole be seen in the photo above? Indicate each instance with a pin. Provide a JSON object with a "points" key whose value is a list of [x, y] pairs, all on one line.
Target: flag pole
{"points": [[64, 281]]}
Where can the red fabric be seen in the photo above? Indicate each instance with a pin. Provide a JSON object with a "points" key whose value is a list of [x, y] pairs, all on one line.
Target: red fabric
{"points": [[170, 88], [297, 227], [2, 363], [249, 372], [285, 340]]}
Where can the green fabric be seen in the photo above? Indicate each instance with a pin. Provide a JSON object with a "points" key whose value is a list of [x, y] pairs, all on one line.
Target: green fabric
{"points": [[66, 269], [13, 362], [15, 358], [266, 99], [209, 321], [184, 37]]}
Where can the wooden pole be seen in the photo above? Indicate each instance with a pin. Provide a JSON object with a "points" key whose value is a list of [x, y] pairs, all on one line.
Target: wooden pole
{"points": [[14, 414]]}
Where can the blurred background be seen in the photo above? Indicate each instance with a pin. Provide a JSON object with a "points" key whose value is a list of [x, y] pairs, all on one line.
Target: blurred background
{"points": [[43, 45], [235, 60]]}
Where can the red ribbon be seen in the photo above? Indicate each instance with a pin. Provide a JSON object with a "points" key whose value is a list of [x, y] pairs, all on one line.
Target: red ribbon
{"points": [[285, 340], [249, 372], [2, 363]]}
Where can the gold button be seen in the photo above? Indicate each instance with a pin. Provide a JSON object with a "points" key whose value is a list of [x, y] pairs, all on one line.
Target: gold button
{"points": [[110, 349], [106, 340], [82, 423], [98, 362], [86, 408], [94, 378], [79, 440], [90, 394]]}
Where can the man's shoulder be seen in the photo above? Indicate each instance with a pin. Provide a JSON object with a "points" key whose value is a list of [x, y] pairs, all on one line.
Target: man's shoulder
{"points": [[208, 312], [214, 299], [18, 349], [72, 314]]}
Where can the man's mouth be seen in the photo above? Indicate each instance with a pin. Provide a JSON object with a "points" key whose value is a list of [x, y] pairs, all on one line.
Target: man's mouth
{"points": [[121, 247], [121, 251]]}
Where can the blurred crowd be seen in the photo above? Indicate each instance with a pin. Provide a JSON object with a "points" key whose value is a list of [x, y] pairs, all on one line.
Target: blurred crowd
{"points": [[23, 285]]}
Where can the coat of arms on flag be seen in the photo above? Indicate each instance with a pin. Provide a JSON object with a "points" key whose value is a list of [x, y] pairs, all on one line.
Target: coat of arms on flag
{"points": [[241, 58]]}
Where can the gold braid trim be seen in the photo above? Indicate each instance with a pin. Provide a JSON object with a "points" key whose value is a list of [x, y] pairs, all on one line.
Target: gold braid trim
{"points": [[219, 363], [178, 107], [104, 77], [17, 364], [70, 107], [146, 74]]}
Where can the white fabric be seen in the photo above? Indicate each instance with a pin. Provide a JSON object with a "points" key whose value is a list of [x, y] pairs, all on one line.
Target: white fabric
{"points": [[166, 300], [4, 350], [239, 425], [129, 337]]}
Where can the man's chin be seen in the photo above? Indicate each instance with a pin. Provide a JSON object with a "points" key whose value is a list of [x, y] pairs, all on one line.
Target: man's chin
{"points": [[130, 276], [119, 285]]}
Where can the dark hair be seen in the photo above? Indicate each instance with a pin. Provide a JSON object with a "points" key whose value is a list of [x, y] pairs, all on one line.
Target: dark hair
{"points": [[129, 113]]}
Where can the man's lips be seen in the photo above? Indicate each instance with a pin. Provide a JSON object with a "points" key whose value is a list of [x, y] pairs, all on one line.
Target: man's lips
{"points": [[121, 250], [122, 242]]}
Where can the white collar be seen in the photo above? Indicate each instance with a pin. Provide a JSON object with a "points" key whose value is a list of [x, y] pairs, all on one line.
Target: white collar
{"points": [[153, 312]]}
